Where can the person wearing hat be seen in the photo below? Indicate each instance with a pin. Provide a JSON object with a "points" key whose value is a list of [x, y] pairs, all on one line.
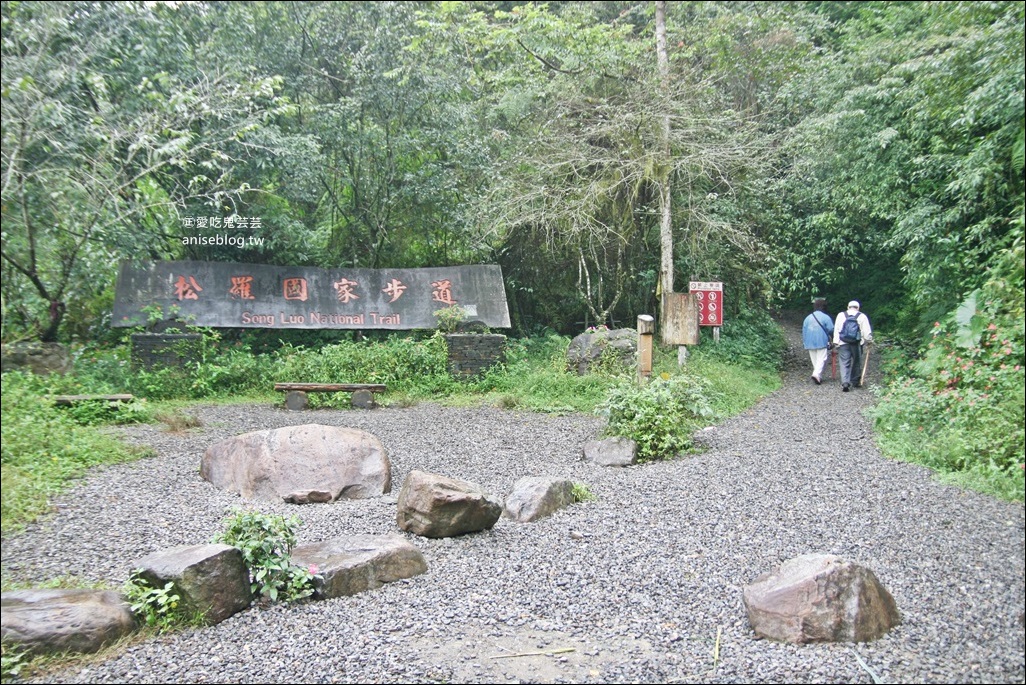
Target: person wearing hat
{"points": [[816, 331], [852, 333]]}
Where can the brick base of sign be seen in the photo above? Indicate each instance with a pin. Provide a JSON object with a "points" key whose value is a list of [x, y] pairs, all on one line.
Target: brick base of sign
{"points": [[154, 350], [472, 353]]}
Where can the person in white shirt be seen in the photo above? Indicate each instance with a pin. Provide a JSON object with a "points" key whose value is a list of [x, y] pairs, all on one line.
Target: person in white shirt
{"points": [[816, 332], [852, 333]]}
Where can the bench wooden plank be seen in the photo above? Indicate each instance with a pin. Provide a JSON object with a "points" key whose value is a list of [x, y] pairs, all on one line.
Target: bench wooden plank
{"points": [[72, 399], [330, 387]]}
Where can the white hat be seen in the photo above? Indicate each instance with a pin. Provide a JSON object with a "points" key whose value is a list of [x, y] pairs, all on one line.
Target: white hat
{"points": [[854, 304]]}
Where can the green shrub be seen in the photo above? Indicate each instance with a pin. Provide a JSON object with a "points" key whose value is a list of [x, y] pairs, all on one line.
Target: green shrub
{"points": [[403, 363], [965, 416], [961, 409], [582, 493], [100, 412], [266, 544], [450, 318], [535, 377], [660, 416], [750, 339], [156, 607], [13, 658]]}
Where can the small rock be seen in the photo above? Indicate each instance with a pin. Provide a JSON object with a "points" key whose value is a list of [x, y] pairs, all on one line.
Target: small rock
{"points": [[611, 452], [436, 506]]}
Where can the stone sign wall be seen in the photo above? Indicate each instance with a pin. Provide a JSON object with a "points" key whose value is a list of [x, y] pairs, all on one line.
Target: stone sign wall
{"points": [[227, 295]]}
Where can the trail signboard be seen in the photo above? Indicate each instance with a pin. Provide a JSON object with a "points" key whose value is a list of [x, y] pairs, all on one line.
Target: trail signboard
{"points": [[230, 295], [710, 302]]}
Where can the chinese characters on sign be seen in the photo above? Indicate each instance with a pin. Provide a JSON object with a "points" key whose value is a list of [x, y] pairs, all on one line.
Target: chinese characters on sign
{"points": [[222, 294], [710, 302], [344, 290], [394, 289], [295, 289], [442, 292], [242, 287], [187, 290]]}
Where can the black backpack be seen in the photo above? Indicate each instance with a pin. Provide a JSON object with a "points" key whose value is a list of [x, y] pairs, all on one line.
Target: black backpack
{"points": [[850, 331]]}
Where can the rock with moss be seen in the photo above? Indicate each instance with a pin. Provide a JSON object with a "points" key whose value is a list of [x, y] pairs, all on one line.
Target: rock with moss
{"points": [[597, 347]]}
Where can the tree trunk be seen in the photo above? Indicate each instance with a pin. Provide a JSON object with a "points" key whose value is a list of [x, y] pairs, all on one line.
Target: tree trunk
{"points": [[664, 166]]}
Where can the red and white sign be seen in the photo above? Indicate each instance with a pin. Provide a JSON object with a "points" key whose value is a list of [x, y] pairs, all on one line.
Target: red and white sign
{"points": [[710, 302]]}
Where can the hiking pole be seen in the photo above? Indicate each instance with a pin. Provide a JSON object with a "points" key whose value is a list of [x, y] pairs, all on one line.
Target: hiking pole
{"points": [[865, 365], [833, 363]]}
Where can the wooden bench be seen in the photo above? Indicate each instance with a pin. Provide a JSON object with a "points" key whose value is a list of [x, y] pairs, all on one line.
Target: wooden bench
{"points": [[68, 400], [362, 396]]}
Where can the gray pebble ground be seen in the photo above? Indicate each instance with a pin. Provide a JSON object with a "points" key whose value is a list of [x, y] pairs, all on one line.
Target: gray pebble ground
{"points": [[643, 585]]}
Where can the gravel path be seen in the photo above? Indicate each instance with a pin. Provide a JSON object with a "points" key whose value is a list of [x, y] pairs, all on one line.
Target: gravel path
{"points": [[638, 584]]}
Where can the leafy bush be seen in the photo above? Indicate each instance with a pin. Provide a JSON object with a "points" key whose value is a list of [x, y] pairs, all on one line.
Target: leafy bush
{"points": [[266, 544], [450, 318], [535, 377], [751, 339], [403, 363], [660, 416], [87, 413], [12, 660], [157, 607], [961, 409], [99, 412], [582, 493]]}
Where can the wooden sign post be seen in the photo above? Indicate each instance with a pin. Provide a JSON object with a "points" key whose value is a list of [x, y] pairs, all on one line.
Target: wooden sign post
{"points": [[646, 328], [681, 327]]}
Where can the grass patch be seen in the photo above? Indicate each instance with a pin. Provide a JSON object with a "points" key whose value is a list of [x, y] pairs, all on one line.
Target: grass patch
{"points": [[733, 388], [177, 421], [43, 450], [534, 377]]}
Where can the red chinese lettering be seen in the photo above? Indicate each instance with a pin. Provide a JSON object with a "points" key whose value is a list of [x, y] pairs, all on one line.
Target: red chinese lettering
{"points": [[395, 290], [187, 290], [442, 292], [295, 289], [242, 288], [344, 290]]}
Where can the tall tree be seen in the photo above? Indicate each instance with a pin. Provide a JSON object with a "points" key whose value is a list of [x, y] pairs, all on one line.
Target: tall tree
{"points": [[665, 163], [579, 101], [105, 137]]}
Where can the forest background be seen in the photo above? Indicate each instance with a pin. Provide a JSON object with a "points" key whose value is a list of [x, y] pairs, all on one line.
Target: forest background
{"points": [[855, 150]]}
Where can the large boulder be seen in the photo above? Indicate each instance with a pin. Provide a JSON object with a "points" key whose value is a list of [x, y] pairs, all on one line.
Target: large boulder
{"points": [[594, 347], [536, 497], [46, 621], [346, 566], [438, 507], [820, 598], [300, 464], [611, 451], [212, 581]]}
